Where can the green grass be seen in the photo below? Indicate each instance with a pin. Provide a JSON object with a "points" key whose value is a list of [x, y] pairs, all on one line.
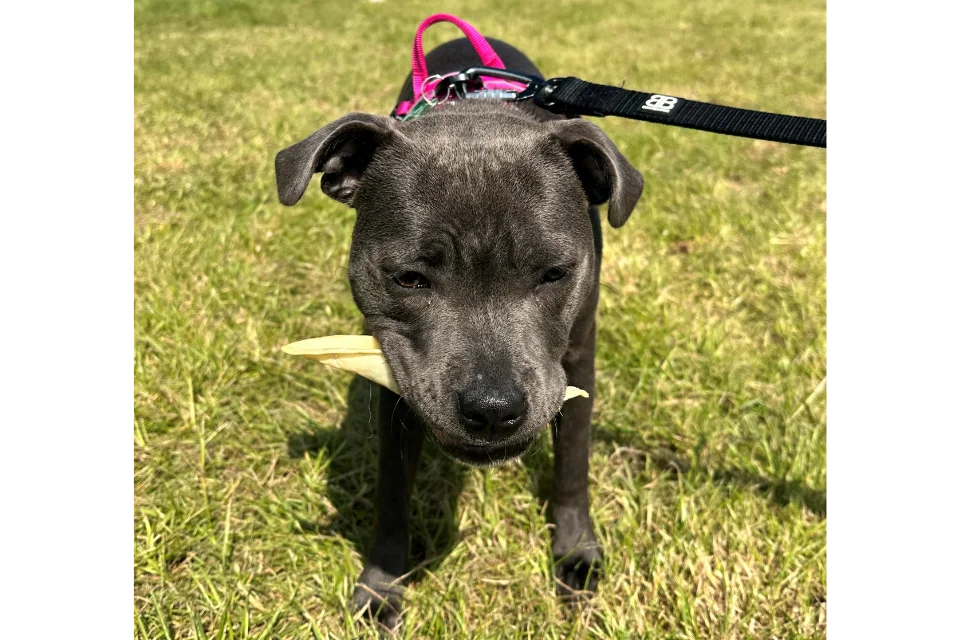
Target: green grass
{"points": [[254, 471]]}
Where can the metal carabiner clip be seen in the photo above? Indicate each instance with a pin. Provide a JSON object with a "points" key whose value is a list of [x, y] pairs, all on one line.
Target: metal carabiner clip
{"points": [[471, 80]]}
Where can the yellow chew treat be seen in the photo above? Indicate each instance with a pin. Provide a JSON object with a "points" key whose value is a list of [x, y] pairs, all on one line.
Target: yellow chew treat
{"points": [[362, 355], [573, 392], [357, 354]]}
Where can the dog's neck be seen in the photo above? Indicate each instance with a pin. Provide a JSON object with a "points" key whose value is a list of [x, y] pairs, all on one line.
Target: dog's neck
{"points": [[483, 108]]}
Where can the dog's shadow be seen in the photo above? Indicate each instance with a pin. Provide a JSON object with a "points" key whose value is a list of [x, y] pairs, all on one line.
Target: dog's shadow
{"points": [[350, 451], [664, 457]]}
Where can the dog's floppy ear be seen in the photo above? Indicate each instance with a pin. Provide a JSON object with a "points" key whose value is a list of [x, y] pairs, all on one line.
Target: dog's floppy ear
{"points": [[340, 151], [605, 174]]}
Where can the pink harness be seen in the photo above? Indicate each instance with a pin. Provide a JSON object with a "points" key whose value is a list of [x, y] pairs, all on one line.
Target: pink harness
{"points": [[424, 85]]}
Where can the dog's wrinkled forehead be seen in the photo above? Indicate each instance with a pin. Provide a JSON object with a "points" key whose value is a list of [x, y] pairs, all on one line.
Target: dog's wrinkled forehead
{"points": [[465, 173], [502, 131], [466, 149], [473, 191]]}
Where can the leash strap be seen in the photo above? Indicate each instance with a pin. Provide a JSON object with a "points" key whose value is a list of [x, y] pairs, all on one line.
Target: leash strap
{"points": [[573, 96]]}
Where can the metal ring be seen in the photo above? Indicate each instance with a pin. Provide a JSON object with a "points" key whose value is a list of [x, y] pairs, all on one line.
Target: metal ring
{"points": [[423, 92]]}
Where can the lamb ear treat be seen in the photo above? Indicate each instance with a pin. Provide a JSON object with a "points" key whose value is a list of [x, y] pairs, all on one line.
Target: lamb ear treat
{"points": [[574, 392], [362, 355], [357, 354]]}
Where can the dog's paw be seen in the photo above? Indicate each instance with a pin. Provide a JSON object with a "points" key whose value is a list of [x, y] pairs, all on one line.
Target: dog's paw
{"points": [[579, 571], [379, 595], [577, 556]]}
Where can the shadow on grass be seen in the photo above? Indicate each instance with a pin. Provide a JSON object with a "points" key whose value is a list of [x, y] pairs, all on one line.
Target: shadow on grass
{"points": [[352, 448], [779, 491], [539, 464]]}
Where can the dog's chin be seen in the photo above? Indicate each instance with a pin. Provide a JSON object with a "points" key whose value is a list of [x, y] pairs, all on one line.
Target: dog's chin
{"points": [[485, 455]]}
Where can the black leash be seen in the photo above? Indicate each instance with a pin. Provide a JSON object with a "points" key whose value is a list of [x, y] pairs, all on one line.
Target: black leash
{"points": [[572, 96]]}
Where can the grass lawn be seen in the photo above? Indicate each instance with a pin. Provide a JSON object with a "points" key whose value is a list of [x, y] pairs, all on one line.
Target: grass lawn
{"points": [[254, 471]]}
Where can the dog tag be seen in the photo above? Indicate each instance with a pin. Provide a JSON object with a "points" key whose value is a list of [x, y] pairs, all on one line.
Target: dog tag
{"points": [[418, 109]]}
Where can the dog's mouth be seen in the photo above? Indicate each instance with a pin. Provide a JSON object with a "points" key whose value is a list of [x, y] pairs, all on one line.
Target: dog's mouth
{"points": [[485, 455]]}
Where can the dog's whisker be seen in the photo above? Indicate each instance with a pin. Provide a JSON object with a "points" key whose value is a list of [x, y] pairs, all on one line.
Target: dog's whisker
{"points": [[613, 290], [370, 409], [393, 413]]}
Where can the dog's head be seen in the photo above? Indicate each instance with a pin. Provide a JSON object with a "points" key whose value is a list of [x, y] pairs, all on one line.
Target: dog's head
{"points": [[473, 254]]}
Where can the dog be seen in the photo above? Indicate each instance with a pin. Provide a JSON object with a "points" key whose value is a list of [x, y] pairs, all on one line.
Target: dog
{"points": [[475, 262]]}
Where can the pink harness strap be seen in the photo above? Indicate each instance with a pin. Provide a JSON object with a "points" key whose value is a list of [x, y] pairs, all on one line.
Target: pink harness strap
{"points": [[422, 82], [487, 55]]}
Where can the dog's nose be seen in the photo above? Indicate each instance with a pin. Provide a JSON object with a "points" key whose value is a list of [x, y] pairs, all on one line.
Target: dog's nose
{"points": [[492, 407]]}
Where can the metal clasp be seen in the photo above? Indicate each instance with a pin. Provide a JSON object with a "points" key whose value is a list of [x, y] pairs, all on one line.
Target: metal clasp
{"points": [[470, 80]]}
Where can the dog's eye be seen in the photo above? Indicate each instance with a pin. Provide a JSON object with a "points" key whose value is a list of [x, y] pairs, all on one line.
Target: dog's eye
{"points": [[411, 280], [552, 275]]}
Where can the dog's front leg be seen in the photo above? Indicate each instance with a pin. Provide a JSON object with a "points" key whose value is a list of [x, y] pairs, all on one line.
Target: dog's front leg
{"points": [[577, 555], [401, 440]]}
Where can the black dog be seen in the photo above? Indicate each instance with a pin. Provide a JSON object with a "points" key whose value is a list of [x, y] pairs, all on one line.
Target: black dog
{"points": [[475, 262]]}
